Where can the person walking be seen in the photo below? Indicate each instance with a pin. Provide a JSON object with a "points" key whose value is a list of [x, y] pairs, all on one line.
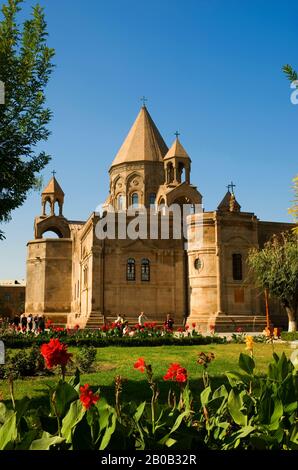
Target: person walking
{"points": [[35, 323], [168, 324], [142, 318], [41, 323], [30, 321], [23, 322]]}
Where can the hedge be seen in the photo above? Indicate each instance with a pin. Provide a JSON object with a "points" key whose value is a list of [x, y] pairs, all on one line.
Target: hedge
{"points": [[289, 336], [17, 342]]}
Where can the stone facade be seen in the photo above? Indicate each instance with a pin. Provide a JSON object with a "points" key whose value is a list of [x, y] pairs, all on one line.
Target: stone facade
{"points": [[81, 278], [12, 298]]}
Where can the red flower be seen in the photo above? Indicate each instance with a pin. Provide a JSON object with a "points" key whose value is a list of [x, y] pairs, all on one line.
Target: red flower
{"points": [[180, 330], [187, 327], [57, 329], [176, 373], [239, 329], [87, 397], [212, 327], [49, 323], [193, 324], [55, 353], [77, 327], [140, 364]]}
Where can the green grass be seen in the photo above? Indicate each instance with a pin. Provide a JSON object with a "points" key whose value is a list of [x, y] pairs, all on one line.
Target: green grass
{"points": [[113, 360]]}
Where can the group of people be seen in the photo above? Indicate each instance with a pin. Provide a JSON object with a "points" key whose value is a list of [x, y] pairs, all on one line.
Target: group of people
{"points": [[29, 322], [142, 319]]}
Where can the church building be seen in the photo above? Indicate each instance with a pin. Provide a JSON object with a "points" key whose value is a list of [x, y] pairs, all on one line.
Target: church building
{"points": [[82, 279]]}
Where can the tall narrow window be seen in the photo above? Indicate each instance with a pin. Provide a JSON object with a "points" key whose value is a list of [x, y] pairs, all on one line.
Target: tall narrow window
{"points": [[237, 267], [152, 197], [135, 200], [120, 202], [131, 270], [85, 277], [145, 270]]}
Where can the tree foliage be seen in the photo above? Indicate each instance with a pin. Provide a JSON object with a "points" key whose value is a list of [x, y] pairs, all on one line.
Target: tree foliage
{"points": [[290, 72], [275, 268], [25, 68], [294, 209]]}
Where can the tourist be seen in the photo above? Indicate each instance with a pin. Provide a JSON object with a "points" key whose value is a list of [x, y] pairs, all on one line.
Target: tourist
{"points": [[41, 323], [30, 321], [23, 322], [125, 330], [120, 319], [141, 319], [16, 320], [35, 322], [168, 324]]}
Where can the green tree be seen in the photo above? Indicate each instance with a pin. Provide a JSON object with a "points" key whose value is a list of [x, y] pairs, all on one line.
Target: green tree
{"points": [[25, 68], [290, 72], [294, 209], [275, 268]]}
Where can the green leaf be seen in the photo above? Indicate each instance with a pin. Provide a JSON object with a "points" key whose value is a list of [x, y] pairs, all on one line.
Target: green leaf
{"points": [[9, 433], [63, 396], [45, 443], [235, 404], [110, 429], [75, 379], [139, 411], [277, 412], [205, 394], [73, 417], [236, 378], [246, 363], [170, 442]]}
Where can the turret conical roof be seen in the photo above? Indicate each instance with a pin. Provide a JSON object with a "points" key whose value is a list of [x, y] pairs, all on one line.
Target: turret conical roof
{"points": [[53, 187], [176, 150]]}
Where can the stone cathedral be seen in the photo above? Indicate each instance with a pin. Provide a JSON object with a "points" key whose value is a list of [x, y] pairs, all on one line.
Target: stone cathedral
{"points": [[78, 278]]}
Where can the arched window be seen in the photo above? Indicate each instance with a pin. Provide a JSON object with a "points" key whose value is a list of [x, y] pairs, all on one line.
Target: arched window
{"points": [[120, 202], [131, 270], [152, 197], [237, 266], [145, 270], [135, 200]]}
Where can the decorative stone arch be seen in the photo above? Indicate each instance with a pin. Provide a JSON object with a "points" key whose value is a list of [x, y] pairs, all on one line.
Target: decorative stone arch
{"points": [[184, 193], [236, 238], [134, 181], [56, 230], [54, 224], [46, 201]]}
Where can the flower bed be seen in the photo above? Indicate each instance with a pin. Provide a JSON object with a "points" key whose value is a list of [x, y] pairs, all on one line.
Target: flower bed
{"points": [[250, 412], [149, 335]]}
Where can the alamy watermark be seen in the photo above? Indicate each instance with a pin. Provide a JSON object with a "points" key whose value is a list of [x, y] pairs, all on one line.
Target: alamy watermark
{"points": [[178, 222], [294, 94], [2, 92]]}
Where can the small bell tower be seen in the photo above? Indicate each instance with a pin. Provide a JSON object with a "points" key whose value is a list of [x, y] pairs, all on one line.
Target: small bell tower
{"points": [[177, 162], [50, 195]]}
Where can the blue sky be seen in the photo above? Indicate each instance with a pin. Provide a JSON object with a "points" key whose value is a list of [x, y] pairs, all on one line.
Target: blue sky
{"points": [[211, 69]]}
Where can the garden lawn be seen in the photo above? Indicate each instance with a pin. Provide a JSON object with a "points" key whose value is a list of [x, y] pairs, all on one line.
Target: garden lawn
{"points": [[114, 360]]}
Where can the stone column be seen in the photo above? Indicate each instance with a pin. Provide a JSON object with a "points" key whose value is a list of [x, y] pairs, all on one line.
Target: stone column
{"points": [[218, 246]]}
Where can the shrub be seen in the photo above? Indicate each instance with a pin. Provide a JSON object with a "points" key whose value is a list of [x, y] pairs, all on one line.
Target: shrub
{"points": [[289, 336], [22, 364], [85, 358]]}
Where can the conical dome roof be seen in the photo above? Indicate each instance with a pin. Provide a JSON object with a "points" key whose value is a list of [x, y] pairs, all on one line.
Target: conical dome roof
{"points": [[143, 142]]}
